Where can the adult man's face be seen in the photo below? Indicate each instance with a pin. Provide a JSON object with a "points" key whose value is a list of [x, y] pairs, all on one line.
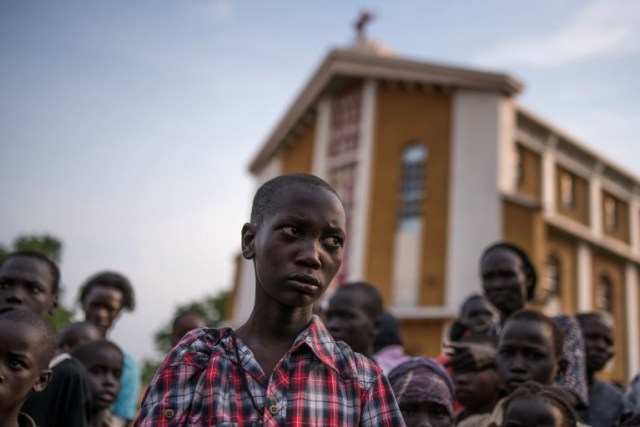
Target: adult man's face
{"points": [[26, 283]]}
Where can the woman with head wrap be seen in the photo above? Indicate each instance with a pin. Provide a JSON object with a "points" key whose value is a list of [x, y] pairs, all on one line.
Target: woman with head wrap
{"points": [[424, 392]]}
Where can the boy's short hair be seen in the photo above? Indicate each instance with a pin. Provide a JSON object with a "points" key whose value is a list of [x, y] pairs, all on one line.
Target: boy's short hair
{"points": [[604, 317], [372, 301], [554, 396], [191, 312], [47, 339], [537, 317], [110, 279], [527, 265], [86, 353], [266, 196], [31, 253]]}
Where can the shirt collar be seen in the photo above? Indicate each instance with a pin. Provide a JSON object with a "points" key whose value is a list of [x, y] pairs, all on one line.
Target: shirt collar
{"points": [[319, 340]]}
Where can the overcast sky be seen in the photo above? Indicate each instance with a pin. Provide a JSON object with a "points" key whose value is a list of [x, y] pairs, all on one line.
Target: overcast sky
{"points": [[127, 127]]}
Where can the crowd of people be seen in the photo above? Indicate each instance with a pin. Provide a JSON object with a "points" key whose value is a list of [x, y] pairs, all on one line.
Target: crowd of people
{"points": [[297, 362]]}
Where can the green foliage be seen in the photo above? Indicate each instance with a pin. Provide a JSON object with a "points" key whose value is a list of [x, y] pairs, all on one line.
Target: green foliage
{"points": [[52, 247], [213, 309]]}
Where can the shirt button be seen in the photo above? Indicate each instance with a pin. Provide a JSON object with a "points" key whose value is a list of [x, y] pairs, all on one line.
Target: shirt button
{"points": [[169, 413], [273, 409]]}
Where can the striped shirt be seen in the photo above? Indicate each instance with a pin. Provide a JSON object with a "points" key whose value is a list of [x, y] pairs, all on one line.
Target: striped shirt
{"points": [[318, 382]]}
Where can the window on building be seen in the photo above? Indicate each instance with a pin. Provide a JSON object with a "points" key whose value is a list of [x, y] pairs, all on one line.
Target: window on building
{"points": [[550, 292], [414, 159], [604, 294], [519, 173], [567, 190], [610, 213]]}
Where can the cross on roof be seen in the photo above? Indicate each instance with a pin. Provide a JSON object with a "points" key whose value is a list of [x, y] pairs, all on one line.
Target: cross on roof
{"points": [[364, 18]]}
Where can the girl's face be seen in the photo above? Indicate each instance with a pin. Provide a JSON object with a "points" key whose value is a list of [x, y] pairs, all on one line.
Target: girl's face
{"points": [[532, 413]]}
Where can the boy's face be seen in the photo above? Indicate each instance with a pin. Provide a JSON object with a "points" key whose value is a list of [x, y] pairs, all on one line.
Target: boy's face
{"points": [[477, 389], [22, 364], [504, 281], [348, 321], [104, 372], [26, 283], [532, 413], [101, 306], [81, 335], [526, 353], [598, 342], [298, 249]]}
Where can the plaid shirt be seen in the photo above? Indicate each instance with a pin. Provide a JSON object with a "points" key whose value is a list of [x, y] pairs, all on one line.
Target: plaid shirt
{"points": [[317, 383]]}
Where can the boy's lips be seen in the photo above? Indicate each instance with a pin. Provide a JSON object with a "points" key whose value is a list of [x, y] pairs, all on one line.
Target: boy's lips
{"points": [[304, 282]]}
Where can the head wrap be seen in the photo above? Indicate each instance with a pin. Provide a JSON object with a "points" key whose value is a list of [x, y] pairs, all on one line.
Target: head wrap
{"points": [[422, 379], [575, 377]]}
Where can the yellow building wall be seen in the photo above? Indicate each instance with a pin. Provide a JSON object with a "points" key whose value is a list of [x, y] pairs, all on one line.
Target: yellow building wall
{"points": [[297, 158], [530, 181], [524, 227], [607, 264], [565, 249], [423, 337], [580, 210], [405, 117]]}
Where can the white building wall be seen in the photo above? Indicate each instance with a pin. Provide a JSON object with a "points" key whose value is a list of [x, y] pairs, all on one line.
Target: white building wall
{"points": [[475, 210], [633, 350], [321, 139], [362, 194], [245, 294]]}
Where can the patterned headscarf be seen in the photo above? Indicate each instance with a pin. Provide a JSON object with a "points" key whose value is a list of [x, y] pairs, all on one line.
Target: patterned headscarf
{"points": [[422, 379], [575, 377]]}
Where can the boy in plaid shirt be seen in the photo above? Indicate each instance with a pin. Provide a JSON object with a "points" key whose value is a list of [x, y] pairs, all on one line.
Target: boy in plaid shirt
{"points": [[281, 367]]}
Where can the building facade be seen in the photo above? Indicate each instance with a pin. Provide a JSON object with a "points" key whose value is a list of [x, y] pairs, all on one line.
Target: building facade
{"points": [[436, 162]]}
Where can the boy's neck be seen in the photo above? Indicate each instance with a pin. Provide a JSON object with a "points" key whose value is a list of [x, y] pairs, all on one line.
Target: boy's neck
{"points": [[10, 417], [591, 378]]}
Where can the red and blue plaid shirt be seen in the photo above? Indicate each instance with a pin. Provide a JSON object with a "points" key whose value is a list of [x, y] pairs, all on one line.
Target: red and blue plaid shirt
{"points": [[317, 383]]}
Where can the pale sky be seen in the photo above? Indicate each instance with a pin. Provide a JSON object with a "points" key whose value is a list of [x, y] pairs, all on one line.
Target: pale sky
{"points": [[127, 127]]}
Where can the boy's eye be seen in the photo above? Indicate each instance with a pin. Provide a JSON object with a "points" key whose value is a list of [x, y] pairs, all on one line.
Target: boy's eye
{"points": [[333, 241], [16, 364], [291, 230]]}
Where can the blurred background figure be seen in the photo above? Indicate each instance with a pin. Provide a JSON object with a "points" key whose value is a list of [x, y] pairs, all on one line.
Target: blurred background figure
{"points": [[185, 322], [103, 297], [535, 405], [477, 318], [424, 392], [475, 377], [606, 402], [104, 362], [76, 335], [353, 315], [387, 345]]}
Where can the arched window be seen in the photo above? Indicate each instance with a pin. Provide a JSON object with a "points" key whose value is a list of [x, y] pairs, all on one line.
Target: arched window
{"points": [[414, 159], [604, 294], [610, 214]]}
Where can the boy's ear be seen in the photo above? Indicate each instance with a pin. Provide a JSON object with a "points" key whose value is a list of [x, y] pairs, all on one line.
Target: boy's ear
{"points": [[54, 306], [563, 364], [43, 380], [249, 232]]}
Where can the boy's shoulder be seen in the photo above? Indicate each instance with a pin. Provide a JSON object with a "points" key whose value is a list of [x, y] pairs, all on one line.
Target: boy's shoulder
{"points": [[356, 365]]}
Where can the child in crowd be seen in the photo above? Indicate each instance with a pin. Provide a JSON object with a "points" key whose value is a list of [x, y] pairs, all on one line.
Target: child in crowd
{"points": [[424, 392], [104, 363], [530, 349], [76, 335], [477, 318], [606, 402], [27, 343], [354, 314], [476, 379], [184, 322], [282, 367], [535, 405]]}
